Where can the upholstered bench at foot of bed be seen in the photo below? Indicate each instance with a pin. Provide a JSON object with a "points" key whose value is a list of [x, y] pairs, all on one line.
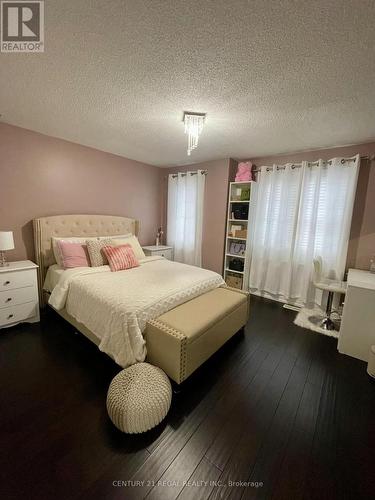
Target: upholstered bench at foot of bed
{"points": [[180, 340]]}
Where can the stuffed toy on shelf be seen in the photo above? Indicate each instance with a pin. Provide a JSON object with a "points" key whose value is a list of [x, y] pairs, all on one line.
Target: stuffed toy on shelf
{"points": [[244, 171]]}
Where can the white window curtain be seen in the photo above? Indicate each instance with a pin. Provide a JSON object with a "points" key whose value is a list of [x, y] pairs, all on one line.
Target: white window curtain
{"points": [[185, 216], [302, 211]]}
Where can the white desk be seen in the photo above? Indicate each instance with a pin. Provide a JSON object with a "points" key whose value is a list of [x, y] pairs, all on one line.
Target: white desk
{"points": [[357, 332]]}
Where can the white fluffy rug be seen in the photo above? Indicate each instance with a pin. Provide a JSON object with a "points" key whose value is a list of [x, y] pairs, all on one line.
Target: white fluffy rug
{"points": [[302, 319]]}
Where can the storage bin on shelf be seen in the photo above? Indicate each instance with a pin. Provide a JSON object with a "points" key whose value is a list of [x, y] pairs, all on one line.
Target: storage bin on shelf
{"points": [[234, 281]]}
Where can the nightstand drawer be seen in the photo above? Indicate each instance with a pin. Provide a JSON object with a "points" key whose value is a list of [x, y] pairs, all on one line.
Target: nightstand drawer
{"points": [[162, 250], [15, 314], [164, 253], [18, 279], [17, 296]]}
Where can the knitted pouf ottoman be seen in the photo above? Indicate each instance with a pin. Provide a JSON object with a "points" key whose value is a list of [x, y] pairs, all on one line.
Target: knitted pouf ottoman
{"points": [[138, 398]]}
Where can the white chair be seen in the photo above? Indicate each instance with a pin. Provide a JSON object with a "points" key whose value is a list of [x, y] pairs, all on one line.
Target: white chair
{"points": [[331, 286]]}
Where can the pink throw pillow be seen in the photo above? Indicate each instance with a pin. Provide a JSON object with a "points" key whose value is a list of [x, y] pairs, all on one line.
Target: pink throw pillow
{"points": [[73, 254], [121, 257]]}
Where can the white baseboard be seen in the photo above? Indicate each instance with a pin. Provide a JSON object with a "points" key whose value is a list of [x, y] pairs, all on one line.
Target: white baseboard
{"points": [[293, 308]]}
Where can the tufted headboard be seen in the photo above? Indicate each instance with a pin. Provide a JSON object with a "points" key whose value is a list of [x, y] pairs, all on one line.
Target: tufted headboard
{"points": [[70, 226]]}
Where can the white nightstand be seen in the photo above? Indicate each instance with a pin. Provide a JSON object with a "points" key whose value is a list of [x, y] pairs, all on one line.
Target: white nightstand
{"points": [[19, 300], [162, 250]]}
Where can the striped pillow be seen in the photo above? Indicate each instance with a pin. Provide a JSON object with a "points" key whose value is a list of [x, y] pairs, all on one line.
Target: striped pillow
{"points": [[120, 257]]}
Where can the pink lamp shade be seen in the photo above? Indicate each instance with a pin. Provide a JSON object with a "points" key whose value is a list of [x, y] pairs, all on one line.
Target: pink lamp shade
{"points": [[6, 240]]}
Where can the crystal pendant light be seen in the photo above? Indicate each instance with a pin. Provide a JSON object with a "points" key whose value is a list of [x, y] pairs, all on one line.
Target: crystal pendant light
{"points": [[193, 128]]}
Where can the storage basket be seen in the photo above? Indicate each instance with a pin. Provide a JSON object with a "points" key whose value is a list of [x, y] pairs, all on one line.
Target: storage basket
{"points": [[234, 281], [240, 233]]}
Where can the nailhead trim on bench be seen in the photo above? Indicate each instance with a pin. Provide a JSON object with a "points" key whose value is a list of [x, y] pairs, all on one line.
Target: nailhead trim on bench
{"points": [[181, 337]]}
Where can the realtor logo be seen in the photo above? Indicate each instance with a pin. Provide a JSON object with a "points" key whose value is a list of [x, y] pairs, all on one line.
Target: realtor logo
{"points": [[22, 26]]}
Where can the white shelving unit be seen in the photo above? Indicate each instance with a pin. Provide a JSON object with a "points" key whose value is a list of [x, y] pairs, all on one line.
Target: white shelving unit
{"points": [[240, 276]]}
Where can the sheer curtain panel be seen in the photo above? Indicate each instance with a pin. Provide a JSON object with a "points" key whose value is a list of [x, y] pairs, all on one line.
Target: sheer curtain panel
{"points": [[302, 211], [185, 216]]}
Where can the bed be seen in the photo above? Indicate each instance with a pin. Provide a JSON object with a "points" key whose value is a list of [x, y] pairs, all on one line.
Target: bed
{"points": [[70, 226], [116, 309]]}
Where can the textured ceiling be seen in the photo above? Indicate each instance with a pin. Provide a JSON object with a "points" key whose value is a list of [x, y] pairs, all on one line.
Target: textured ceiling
{"points": [[272, 76]]}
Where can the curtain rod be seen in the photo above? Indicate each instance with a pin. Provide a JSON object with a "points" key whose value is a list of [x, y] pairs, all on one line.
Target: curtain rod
{"points": [[329, 162], [203, 172]]}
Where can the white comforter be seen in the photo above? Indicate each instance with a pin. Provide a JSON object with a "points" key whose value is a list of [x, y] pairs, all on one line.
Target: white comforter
{"points": [[116, 306]]}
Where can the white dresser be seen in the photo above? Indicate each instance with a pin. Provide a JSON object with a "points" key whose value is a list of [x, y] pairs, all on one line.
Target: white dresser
{"points": [[19, 300], [357, 331], [162, 250]]}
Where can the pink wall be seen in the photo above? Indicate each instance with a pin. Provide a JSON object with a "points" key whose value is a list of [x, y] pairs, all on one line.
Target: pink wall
{"points": [[40, 176], [362, 237], [215, 207]]}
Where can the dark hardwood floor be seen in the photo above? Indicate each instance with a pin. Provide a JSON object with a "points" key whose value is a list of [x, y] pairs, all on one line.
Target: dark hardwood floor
{"points": [[277, 408]]}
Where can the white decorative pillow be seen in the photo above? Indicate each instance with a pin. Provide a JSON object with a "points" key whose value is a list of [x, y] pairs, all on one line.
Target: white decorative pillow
{"points": [[94, 248], [133, 242], [56, 249], [115, 236]]}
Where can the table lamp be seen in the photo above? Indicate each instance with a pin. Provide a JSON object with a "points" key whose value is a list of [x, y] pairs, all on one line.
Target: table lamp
{"points": [[6, 243]]}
